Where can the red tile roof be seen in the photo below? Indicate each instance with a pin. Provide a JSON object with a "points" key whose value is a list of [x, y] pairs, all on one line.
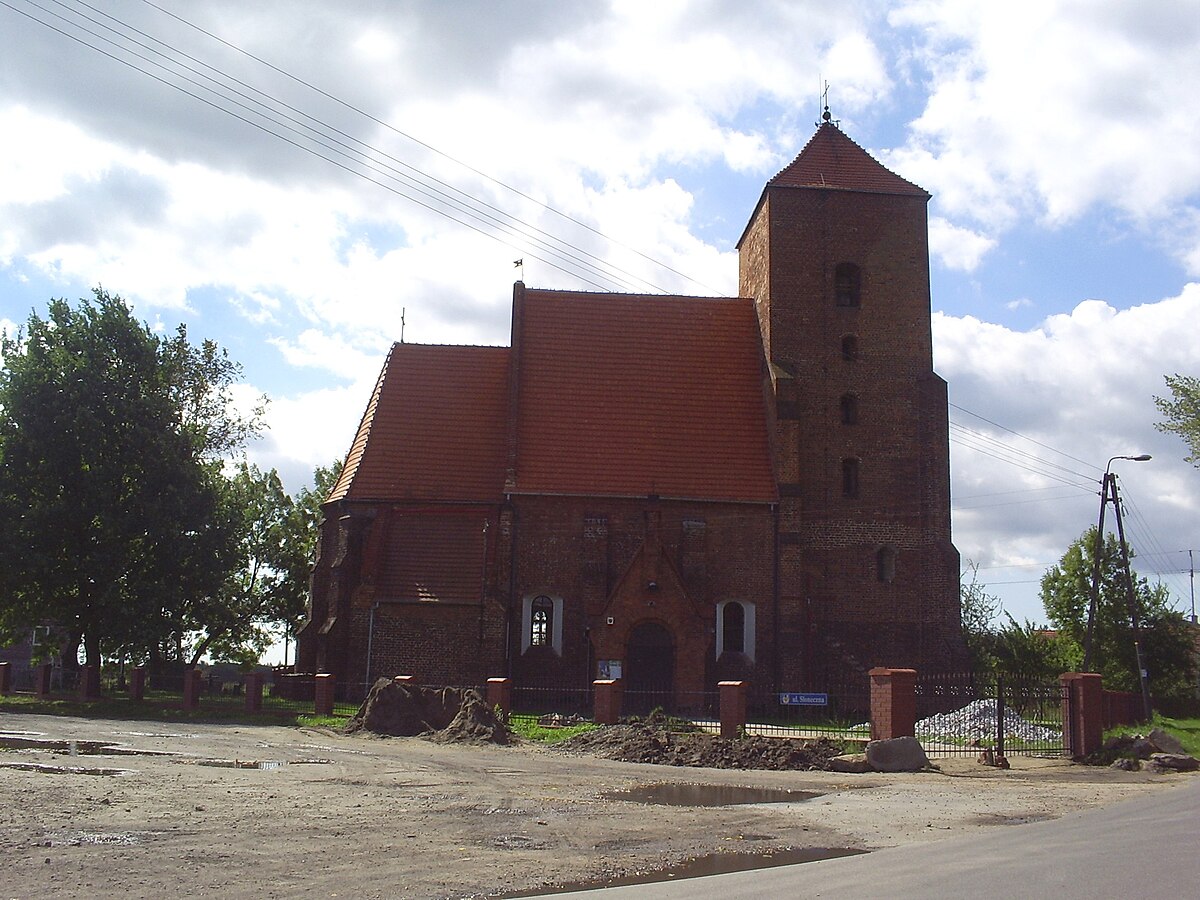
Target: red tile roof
{"points": [[832, 160], [633, 395], [434, 428]]}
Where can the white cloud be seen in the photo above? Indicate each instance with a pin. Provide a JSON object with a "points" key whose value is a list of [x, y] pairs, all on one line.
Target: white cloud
{"points": [[1077, 390], [957, 247], [1095, 109]]}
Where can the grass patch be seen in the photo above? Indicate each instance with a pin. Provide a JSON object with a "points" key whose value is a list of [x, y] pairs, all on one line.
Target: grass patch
{"points": [[526, 726], [161, 707], [1186, 730], [311, 721]]}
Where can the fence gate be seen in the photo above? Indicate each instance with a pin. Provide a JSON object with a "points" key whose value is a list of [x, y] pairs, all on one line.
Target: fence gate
{"points": [[967, 714]]}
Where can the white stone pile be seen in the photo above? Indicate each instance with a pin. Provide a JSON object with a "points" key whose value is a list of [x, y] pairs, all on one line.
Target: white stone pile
{"points": [[977, 720]]}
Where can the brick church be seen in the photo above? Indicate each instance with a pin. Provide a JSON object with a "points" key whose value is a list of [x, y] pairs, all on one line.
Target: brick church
{"points": [[671, 490]]}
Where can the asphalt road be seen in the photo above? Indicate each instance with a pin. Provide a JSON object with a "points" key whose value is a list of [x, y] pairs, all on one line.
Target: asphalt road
{"points": [[1144, 847]]}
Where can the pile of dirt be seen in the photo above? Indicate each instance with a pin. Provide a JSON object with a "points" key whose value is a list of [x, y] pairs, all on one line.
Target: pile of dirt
{"points": [[446, 715], [644, 743]]}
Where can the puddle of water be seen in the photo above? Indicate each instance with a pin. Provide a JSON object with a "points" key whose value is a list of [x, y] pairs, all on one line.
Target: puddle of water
{"points": [[264, 764], [707, 795], [94, 838], [10, 741], [64, 770], [711, 864]]}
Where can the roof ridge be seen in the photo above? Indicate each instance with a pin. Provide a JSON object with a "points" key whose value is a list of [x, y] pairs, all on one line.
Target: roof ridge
{"points": [[820, 165]]}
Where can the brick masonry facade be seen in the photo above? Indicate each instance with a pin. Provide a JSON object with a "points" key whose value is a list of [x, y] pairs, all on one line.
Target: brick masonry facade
{"points": [[851, 567]]}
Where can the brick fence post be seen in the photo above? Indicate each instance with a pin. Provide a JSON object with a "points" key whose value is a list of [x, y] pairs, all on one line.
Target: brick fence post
{"points": [[499, 695], [607, 701], [137, 683], [893, 703], [253, 686], [89, 683], [191, 688], [323, 694], [5, 678], [733, 707], [1083, 712], [41, 679]]}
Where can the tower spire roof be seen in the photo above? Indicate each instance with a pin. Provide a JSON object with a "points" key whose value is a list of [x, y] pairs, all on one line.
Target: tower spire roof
{"points": [[831, 160]]}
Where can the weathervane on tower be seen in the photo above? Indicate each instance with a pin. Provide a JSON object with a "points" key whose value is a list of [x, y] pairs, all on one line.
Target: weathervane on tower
{"points": [[826, 117]]}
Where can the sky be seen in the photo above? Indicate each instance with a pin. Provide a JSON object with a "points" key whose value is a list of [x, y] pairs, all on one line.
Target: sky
{"points": [[305, 182]]}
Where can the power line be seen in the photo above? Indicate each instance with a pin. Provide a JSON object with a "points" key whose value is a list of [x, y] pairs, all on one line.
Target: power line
{"points": [[573, 256], [423, 144]]}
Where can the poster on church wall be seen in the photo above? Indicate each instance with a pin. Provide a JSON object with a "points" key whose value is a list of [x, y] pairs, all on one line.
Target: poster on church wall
{"points": [[607, 669]]}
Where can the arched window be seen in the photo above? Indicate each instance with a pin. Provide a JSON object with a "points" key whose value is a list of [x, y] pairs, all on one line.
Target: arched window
{"points": [[849, 348], [850, 477], [541, 621], [847, 283], [885, 563], [735, 628], [849, 409], [733, 620]]}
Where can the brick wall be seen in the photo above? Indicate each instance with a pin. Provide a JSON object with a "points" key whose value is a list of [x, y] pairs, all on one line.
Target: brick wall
{"points": [[898, 435]]}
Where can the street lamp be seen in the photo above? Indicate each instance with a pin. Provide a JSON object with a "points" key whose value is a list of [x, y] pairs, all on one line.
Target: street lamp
{"points": [[1108, 491]]}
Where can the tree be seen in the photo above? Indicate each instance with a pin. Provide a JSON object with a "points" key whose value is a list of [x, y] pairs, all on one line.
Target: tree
{"points": [[109, 492], [304, 529], [978, 615], [1066, 596], [1181, 412]]}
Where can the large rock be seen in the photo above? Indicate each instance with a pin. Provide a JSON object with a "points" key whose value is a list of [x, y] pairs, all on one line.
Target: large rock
{"points": [[854, 763], [1166, 743], [1173, 762], [902, 754]]}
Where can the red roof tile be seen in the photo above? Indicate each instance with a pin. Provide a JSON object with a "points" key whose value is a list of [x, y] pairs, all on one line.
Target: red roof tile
{"points": [[434, 428], [633, 395], [832, 160]]}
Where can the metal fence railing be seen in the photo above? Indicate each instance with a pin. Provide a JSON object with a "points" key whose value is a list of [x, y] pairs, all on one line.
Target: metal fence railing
{"points": [[966, 714]]}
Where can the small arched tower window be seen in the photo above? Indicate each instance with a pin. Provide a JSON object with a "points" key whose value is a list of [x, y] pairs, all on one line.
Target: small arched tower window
{"points": [[849, 409], [847, 283], [885, 563], [850, 477], [541, 621], [849, 348]]}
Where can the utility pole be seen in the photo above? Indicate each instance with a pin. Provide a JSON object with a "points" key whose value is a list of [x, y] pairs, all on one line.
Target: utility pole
{"points": [[1108, 493], [1192, 583], [1131, 600]]}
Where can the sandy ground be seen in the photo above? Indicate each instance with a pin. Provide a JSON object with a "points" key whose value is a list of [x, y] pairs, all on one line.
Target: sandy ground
{"points": [[367, 817]]}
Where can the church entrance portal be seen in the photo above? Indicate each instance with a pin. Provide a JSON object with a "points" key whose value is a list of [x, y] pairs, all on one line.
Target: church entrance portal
{"points": [[649, 668]]}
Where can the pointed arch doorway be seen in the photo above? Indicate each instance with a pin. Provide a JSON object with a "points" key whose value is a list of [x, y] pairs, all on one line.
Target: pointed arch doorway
{"points": [[649, 668]]}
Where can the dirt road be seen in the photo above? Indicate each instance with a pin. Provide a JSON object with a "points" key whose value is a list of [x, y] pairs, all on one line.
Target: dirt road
{"points": [[309, 813]]}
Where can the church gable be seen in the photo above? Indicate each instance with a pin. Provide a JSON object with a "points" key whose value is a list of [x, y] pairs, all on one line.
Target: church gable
{"points": [[434, 428]]}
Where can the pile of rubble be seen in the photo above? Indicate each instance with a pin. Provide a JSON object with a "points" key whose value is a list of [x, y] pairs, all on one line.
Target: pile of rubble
{"points": [[654, 741], [978, 720], [445, 715], [1155, 752]]}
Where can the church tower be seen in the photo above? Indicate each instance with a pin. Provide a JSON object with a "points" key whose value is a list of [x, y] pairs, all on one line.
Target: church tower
{"points": [[836, 257]]}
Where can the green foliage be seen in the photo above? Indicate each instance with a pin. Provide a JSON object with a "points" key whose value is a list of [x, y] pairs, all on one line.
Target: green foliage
{"points": [[979, 610], [114, 507], [1181, 412], [1166, 646], [1014, 650], [103, 495], [527, 727], [1031, 653]]}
